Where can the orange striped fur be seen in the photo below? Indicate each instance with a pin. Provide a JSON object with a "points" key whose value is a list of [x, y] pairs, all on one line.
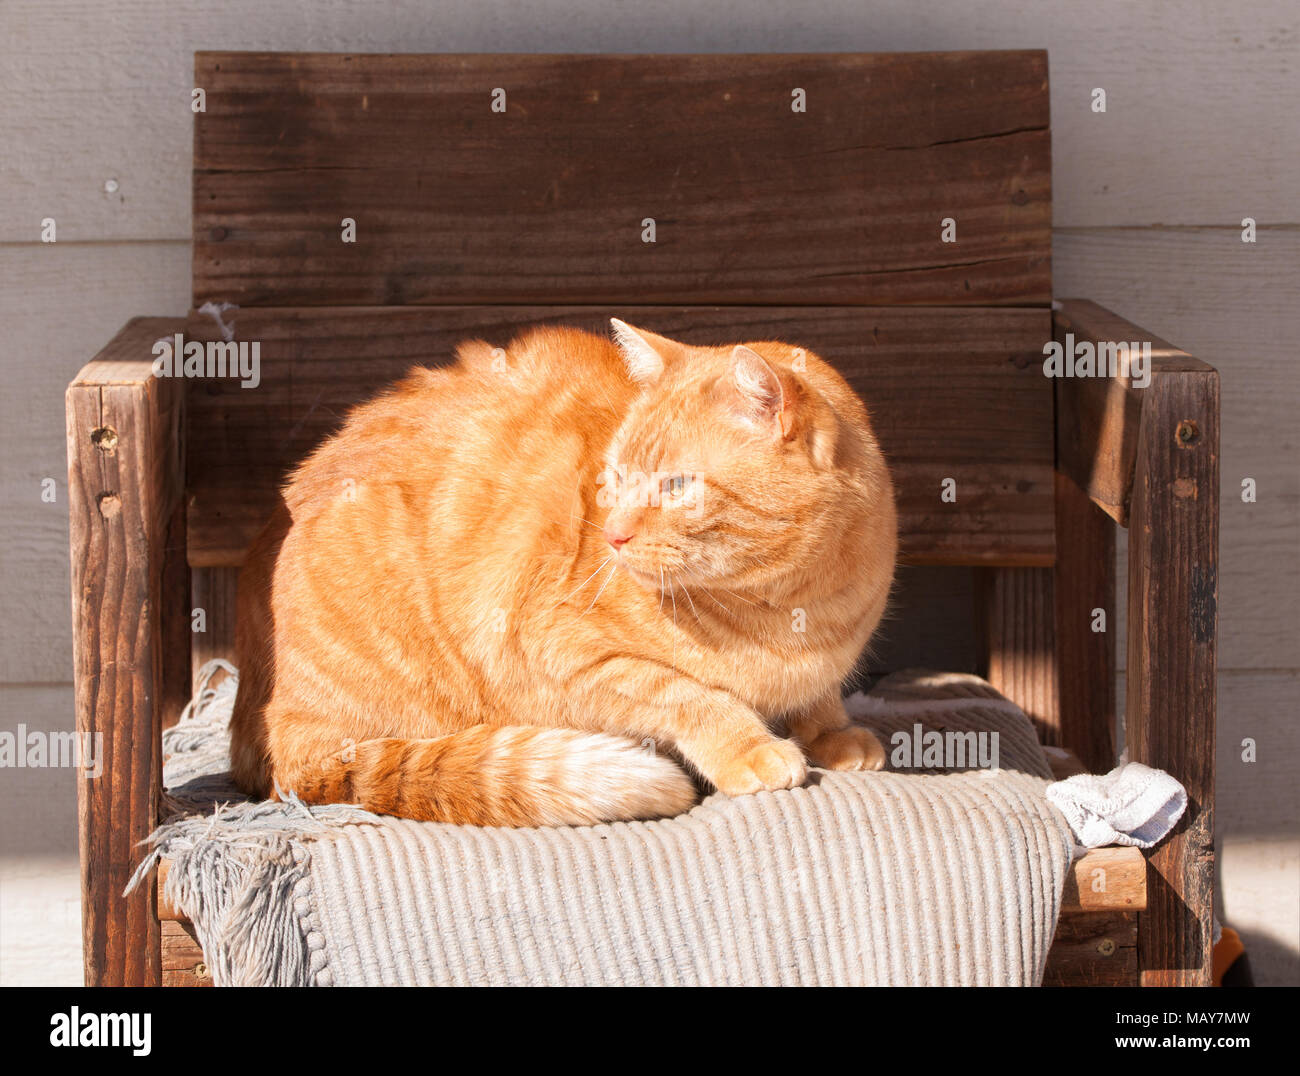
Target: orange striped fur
{"points": [[539, 586]]}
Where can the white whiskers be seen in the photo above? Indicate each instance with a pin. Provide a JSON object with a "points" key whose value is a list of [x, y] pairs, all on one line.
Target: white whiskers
{"points": [[603, 585], [585, 581]]}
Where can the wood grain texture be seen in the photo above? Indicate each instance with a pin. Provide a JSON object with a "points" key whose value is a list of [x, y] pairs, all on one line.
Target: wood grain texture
{"points": [[124, 482], [167, 911], [122, 107], [1097, 417], [214, 590], [1106, 880], [1170, 710], [928, 624], [1093, 950], [1083, 581], [1016, 629], [545, 202], [183, 962], [174, 612], [950, 391]]}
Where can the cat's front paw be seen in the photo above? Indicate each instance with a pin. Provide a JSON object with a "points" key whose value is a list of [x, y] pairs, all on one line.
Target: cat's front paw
{"points": [[852, 748], [779, 764]]}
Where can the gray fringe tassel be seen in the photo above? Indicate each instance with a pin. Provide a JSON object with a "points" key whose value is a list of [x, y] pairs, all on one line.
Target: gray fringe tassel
{"points": [[240, 873]]}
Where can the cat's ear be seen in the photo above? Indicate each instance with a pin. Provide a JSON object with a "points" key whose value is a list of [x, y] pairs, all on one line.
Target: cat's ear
{"points": [[763, 399], [645, 353]]}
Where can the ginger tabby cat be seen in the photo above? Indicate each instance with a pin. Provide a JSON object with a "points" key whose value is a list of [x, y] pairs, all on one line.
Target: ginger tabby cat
{"points": [[516, 590]]}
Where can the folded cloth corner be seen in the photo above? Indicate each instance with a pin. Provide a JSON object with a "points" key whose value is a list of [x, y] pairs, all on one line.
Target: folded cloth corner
{"points": [[1133, 804]]}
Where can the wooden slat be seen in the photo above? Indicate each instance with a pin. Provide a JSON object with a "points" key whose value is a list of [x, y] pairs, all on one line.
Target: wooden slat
{"points": [[214, 590], [544, 203], [183, 962], [1172, 611], [175, 616], [1083, 580], [1093, 950], [953, 393], [1104, 173], [1017, 642], [1106, 880], [167, 911], [124, 484], [1097, 417]]}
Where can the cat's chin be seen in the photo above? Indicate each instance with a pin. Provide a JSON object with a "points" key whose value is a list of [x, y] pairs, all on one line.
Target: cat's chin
{"points": [[656, 582], [643, 576]]}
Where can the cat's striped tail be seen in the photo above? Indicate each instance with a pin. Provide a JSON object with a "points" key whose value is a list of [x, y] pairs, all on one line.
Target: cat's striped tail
{"points": [[511, 775]]}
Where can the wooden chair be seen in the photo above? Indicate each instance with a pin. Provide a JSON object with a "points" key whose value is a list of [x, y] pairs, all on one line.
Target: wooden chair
{"points": [[714, 198]]}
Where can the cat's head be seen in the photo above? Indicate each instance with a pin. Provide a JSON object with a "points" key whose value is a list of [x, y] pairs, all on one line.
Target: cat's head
{"points": [[737, 466]]}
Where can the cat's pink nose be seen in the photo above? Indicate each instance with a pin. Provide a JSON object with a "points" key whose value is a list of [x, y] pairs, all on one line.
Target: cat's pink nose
{"points": [[617, 537]]}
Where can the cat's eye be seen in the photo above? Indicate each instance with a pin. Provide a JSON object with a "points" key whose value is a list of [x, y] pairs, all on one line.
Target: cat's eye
{"points": [[673, 485]]}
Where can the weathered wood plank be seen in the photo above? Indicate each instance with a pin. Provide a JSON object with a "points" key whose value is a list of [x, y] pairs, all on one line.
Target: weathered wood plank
{"points": [[1083, 581], [1093, 950], [124, 483], [951, 392], [929, 623], [1097, 417], [167, 911], [1106, 880], [183, 962], [545, 202], [214, 592], [1150, 159], [1016, 634], [174, 612], [1172, 613]]}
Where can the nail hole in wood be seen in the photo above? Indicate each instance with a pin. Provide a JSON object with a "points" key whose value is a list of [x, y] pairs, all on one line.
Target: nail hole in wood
{"points": [[104, 438], [1188, 433], [110, 505], [1106, 946]]}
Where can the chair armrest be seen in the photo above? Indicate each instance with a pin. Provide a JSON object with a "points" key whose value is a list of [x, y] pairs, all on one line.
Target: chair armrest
{"points": [[130, 629], [1149, 457], [1097, 418]]}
